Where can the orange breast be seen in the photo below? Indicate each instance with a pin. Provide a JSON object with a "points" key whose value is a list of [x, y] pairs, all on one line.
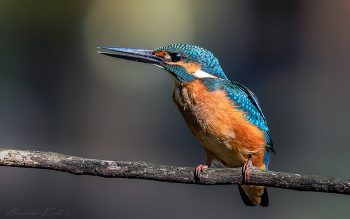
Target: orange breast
{"points": [[226, 135]]}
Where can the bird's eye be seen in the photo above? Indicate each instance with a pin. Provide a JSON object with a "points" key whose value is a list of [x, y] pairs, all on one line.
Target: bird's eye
{"points": [[175, 57]]}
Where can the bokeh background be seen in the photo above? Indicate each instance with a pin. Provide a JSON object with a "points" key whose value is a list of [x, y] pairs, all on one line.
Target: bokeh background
{"points": [[57, 94]]}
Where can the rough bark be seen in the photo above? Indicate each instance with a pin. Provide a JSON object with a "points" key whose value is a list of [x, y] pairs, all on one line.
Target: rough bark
{"points": [[142, 170]]}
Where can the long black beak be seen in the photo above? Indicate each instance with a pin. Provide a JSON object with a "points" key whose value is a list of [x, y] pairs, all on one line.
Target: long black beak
{"points": [[138, 55]]}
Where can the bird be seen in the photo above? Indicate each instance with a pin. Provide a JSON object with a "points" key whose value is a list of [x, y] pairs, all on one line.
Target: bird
{"points": [[225, 116]]}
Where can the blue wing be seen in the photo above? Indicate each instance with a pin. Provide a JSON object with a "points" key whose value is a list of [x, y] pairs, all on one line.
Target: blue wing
{"points": [[248, 103]]}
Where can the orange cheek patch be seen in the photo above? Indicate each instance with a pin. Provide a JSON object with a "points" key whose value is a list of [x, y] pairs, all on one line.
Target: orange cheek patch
{"points": [[190, 66]]}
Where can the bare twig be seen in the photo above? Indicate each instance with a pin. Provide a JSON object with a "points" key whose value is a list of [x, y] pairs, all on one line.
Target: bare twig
{"points": [[141, 170]]}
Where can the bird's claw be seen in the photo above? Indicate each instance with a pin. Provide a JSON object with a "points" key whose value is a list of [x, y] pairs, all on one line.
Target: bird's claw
{"points": [[198, 171], [245, 170]]}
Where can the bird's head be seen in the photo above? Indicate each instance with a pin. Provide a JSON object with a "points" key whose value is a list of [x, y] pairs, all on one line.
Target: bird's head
{"points": [[184, 62]]}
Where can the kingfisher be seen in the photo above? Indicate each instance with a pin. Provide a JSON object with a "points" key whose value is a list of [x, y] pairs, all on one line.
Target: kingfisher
{"points": [[225, 116]]}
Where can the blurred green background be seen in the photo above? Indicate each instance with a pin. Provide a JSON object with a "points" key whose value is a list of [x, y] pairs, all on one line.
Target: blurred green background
{"points": [[57, 94]]}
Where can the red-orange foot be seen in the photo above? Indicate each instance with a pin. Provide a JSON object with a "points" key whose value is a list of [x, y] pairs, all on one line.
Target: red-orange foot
{"points": [[246, 169], [199, 169]]}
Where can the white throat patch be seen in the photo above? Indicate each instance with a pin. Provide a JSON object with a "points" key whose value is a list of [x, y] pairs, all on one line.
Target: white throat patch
{"points": [[203, 74]]}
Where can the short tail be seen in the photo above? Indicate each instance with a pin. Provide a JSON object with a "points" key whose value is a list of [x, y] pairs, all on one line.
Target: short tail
{"points": [[254, 195]]}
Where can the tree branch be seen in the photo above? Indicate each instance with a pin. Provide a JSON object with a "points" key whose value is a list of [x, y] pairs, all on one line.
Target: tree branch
{"points": [[142, 170]]}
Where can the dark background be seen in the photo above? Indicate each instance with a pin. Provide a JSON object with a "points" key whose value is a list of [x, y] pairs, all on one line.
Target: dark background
{"points": [[57, 94]]}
